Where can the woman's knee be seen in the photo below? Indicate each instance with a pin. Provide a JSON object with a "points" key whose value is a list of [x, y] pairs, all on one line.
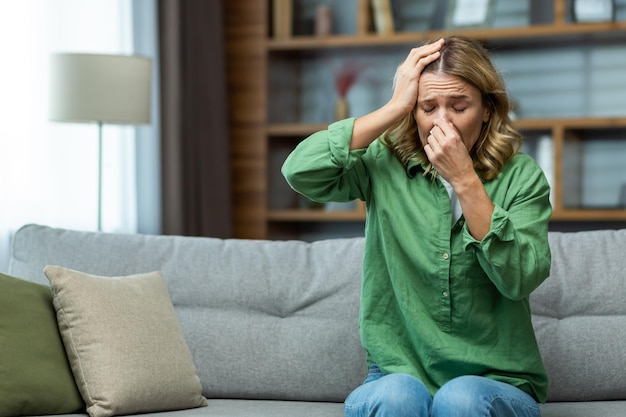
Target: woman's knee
{"points": [[396, 395], [401, 392], [458, 397], [475, 395]]}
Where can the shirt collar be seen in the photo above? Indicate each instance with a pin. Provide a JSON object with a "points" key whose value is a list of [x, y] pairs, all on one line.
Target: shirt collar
{"points": [[414, 166]]}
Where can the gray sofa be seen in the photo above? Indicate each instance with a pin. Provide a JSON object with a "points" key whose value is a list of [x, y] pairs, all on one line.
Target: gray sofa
{"points": [[272, 325]]}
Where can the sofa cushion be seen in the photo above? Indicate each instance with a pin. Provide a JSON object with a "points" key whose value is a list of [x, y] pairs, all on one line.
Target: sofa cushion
{"points": [[273, 320], [35, 376], [260, 408], [124, 343], [582, 409], [263, 319], [579, 315]]}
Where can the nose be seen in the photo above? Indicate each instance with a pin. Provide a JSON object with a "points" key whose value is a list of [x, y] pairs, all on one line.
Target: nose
{"points": [[443, 113]]}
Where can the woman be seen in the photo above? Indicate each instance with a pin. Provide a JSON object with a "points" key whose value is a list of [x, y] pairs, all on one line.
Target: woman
{"points": [[456, 239]]}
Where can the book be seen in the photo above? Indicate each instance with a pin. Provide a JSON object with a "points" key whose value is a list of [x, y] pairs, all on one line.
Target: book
{"points": [[545, 160], [282, 15], [382, 15]]}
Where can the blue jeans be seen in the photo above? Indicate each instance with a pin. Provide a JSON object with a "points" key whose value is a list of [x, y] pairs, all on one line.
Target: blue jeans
{"points": [[401, 395]]}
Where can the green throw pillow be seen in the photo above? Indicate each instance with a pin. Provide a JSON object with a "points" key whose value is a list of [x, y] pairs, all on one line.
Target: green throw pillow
{"points": [[35, 375]]}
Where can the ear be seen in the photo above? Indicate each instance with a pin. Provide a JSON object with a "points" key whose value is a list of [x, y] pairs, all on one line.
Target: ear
{"points": [[486, 115]]}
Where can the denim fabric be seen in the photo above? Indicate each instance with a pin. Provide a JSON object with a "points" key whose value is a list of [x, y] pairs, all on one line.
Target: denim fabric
{"points": [[401, 395]]}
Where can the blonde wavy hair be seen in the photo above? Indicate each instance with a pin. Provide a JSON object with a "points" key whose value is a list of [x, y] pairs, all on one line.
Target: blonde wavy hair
{"points": [[498, 141]]}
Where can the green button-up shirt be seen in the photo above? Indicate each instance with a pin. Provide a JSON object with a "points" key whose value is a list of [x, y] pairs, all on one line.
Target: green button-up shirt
{"points": [[435, 302]]}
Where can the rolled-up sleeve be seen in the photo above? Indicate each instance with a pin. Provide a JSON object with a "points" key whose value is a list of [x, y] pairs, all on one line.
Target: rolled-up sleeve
{"points": [[323, 168], [515, 253]]}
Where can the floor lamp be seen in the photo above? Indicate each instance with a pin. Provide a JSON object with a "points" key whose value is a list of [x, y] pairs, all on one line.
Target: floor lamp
{"points": [[87, 88]]}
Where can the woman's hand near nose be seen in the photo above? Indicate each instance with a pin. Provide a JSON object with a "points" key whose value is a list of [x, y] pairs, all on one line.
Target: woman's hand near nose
{"points": [[448, 153], [404, 98]]}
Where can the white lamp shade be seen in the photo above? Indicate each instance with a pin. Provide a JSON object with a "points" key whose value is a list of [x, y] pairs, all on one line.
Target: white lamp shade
{"points": [[104, 88]]}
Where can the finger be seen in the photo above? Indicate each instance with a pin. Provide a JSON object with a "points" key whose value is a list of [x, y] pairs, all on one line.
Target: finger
{"points": [[444, 126], [426, 57], [429, 48], [425, 51], [439, 137], [429, 152], [433, 142], [425, 60]]}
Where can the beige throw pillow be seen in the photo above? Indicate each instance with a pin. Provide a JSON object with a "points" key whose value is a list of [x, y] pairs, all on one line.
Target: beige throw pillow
{"points": [[124, 343]]}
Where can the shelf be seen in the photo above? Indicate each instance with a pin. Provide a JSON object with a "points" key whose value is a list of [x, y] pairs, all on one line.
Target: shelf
{"points": [[297, 129], [512, 35], [319, 215], [294, 129], [297, 215], [589, 215], [571, 123]]}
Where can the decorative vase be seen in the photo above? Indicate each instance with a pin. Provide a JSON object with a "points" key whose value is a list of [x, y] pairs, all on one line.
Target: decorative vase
{"points": [[342, 108], [323, 20]]}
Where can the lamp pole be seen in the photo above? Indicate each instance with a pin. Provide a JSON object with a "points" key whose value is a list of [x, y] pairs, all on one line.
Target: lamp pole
{"points": [[98, 88], [99, 175]]}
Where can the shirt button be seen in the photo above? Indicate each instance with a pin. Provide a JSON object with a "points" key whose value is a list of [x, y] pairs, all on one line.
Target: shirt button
{"points": [[461, 222], [445, 293], [446, 256]]}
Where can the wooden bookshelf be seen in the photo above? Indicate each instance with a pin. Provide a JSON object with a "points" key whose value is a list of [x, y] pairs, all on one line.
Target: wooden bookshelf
{"points": [[252, 49]]}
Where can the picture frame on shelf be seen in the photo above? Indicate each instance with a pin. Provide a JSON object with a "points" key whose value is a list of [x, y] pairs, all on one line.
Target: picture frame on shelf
{"points": [[587, 11], [470, 13]]}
